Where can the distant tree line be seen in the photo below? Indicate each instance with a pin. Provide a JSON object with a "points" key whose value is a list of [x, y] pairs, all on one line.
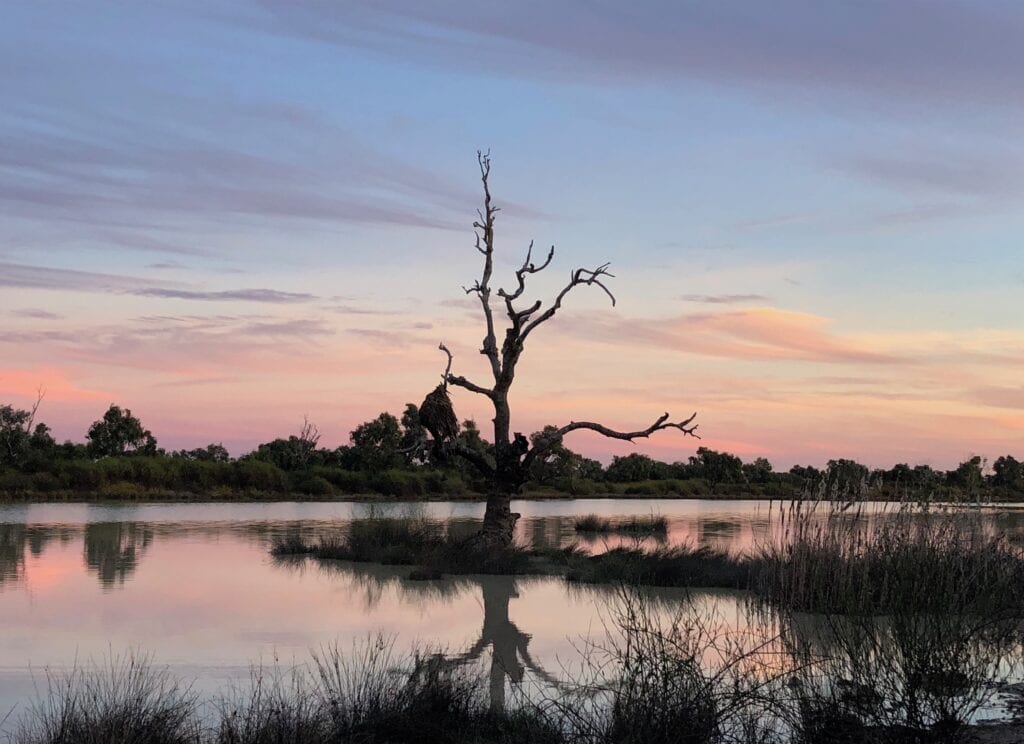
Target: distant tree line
{"points": [[120, 458]]}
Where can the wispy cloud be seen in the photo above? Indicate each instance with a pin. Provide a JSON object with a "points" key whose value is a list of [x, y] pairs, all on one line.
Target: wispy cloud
{"points": [[866, 48], [271, 296], [48, 277], [724, 299], [349, 309], [1000, 397], [958, 173], [763, 333], [36, 313]]}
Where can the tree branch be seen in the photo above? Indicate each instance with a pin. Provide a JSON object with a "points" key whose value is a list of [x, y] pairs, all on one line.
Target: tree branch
{"points": [[477, 459], [484, 228], [522, 271], [629, 436], [40, 394], [546, 443], [579, 277], [462, 382], [447, 369], [459, 380]]}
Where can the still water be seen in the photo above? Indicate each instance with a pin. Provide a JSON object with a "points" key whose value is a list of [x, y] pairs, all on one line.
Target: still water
{"points": [[195, 586]]}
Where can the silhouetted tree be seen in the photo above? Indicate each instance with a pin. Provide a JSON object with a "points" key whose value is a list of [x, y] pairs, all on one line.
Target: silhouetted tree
{"points": [[209, 453], [509, 467], [716, 467], [297, 452], [809, 474], [968, 474], [631, 468], [17, 433], [376, 443], [846, 476], [412, 434], [759, 471], [119, 433], [1008, 472]]}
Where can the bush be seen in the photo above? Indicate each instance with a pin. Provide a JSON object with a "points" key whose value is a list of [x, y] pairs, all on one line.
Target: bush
{"points": [[150, 472], [114, 469], [83, 475], [202, 475], [120, 492], [16, 483], [346, 481], [45, 483], [259, 476], [312, 485]]}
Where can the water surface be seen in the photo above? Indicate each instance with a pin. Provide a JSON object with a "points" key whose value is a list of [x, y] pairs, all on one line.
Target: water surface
{"points": [[194, 585]]}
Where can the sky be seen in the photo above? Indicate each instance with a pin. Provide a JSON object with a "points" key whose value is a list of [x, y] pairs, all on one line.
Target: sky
{"points": [[227, 215]]}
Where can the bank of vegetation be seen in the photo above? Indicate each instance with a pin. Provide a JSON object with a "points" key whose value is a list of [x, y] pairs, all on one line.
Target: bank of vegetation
{"points": [[657, 675], [122, 460], [916, 615]]}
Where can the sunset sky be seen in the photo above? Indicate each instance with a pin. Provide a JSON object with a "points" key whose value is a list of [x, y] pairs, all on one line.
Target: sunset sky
{"points": [[226, 215]]}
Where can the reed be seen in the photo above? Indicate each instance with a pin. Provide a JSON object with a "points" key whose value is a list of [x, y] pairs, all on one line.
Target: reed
{"points": [[655, 524]]}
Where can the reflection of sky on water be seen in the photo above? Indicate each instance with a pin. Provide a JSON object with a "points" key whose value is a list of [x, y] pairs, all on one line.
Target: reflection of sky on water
{"points": [[196, 586]]}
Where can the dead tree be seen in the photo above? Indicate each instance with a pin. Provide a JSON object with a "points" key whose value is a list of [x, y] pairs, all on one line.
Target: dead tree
{"points": [[508, 470]]}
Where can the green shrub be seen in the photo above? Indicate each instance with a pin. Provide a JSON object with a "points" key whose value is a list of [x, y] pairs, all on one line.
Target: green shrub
{"points": [[45, 483], [260, 476], [312, 485], [398, 483], [83, 475], [121, 491], [345, 481], [114, 469], [16, 483], [149, 472]]}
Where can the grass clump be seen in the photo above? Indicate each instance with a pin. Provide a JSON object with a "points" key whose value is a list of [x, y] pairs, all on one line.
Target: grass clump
{"points": [[680, 565], [370, 695], [636, 525], [410, 541], [127, 700]]}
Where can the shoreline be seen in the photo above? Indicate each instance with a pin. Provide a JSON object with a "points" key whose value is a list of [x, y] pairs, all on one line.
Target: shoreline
{"points": [[268, 497]]}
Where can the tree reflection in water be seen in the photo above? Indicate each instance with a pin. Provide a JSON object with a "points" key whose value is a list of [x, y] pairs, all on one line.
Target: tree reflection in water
{"points": [[510, 654], [15, 538], [113, 549]]}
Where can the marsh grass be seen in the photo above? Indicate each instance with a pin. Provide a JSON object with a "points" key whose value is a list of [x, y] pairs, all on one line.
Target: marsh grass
{"points": [[909, 557], [899, 678], [917, 618], [126, 699], [410, 540], [681, 676], [680, 565], [655, 524]]}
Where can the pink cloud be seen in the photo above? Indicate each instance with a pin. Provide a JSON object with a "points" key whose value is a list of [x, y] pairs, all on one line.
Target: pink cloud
{"points": [[761, 333]]}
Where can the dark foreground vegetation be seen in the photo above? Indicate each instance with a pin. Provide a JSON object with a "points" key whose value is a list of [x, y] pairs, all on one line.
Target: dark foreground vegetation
{"points": [[658, 675], [916, 613], [827, 558], [121, 460]]}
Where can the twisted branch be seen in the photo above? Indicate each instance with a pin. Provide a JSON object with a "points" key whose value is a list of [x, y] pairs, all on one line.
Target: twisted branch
{"points": [[484, 241], [578, 278], [459, 380], [544, 445]]}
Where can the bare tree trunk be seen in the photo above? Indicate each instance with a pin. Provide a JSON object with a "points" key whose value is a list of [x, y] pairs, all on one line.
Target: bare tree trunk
{"points": [[499, 519], [513, 455]]}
